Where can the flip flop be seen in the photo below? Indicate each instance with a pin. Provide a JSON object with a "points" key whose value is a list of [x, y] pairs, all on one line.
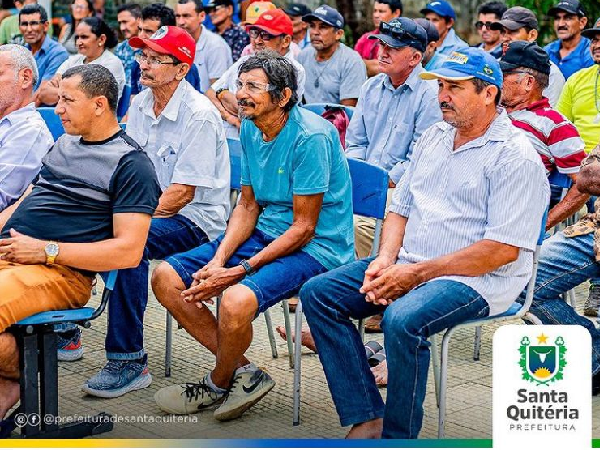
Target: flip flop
{"points": [[372, 347], [377, 358]]}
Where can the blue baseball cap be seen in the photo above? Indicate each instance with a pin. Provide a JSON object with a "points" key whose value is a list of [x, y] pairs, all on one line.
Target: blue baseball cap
{"points": [[467, 63], [441, 8], [402, 32], [327, 14]]}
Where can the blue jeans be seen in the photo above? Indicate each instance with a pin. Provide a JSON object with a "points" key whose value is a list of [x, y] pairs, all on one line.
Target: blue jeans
{"points": [[125, 334], [564, 264], [332, 299]]}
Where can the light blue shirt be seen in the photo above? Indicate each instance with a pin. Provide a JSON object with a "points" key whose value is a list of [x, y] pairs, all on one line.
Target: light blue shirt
{"points": [[451, 43], [493, 187], [387, 121], [578, 59], [305, 158], [24, 141], [48, 59], [213, 57]]}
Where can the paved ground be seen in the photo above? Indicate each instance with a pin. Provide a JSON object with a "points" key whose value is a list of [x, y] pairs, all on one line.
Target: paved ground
{"points": [[469, 395]]}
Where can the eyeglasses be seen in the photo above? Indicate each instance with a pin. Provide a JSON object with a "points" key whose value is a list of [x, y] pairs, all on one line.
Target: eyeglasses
{"points": [[255, 33], [152, 61], [79, 6], [31, 23], [397, 32], [253, 87], [479, 24]]}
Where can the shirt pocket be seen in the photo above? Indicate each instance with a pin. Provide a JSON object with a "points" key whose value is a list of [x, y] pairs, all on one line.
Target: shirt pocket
{"points": [[167, 154]]}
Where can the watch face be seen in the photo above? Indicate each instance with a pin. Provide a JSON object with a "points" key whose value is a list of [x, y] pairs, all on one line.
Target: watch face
{"points": [[52, 249]]}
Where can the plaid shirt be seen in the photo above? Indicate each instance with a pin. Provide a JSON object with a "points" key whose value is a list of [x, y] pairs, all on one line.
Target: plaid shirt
{"points": [[126, 53], [237, 39]]}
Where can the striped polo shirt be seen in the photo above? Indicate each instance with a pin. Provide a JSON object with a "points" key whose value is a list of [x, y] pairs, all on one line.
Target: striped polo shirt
{"points": [[493, 187], [553, 136]]}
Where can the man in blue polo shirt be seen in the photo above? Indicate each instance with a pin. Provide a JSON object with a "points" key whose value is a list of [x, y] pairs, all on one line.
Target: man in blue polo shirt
{"points": [[442, 15], [571, 51], [48, 54]]}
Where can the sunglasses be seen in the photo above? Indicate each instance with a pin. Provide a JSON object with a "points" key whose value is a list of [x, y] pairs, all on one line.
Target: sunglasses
{"points": [[397, 32], [479, 24]]}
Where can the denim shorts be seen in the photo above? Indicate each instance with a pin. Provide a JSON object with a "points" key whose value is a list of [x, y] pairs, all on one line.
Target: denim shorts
{"points": [[272, 283]]}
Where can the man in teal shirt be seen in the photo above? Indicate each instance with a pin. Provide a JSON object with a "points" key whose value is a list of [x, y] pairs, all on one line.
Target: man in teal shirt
{"points": [[293, 222]]}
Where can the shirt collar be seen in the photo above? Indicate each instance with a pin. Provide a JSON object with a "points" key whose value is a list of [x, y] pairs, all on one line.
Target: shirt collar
{"points": [[540, 104], [202, 39], [45, 45], [171, 111], [500, 130], [450, 40], [411, 82], [17, 116]]}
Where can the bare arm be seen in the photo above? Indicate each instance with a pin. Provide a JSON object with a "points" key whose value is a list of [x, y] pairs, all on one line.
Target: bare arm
{"points": [[588, 179], [573, 202], [226, 114], [47, 93], [349, 102], [173, 199], [8, 212]]}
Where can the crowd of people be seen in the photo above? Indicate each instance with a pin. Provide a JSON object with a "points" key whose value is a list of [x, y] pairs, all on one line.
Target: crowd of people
{"points": [[468, 136]]}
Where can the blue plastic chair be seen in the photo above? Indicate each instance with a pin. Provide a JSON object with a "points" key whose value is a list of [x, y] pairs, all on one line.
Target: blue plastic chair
{"points": [[124, 102], [38, 359], [369, 198], [319, 108], [517, 310], [52, 121]]}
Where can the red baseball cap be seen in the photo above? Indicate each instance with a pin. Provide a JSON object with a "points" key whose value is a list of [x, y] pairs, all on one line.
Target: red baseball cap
{"points": [[275, 22], [172, 41]]}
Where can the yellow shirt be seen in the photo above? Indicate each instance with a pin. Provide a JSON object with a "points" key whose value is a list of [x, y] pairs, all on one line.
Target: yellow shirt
{"points": [[578, 103]]}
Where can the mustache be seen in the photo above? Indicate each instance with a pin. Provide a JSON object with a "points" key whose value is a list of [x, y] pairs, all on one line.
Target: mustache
{"points": [[446, 105], [563, 29], [244, 102], [146, 75]]}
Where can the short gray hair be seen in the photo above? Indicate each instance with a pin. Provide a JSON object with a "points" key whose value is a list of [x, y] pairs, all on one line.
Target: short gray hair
{"points": [[542, 79], [96, 81], [22, 59]]}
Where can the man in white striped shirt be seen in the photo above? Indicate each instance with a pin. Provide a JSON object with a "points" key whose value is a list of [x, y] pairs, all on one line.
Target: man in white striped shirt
{"points": [[457, 244]]}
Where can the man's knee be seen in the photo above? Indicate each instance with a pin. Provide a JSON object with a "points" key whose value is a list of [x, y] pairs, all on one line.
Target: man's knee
{"points": [[312, 293], [165, 279], [238, 306], [398, 321]]}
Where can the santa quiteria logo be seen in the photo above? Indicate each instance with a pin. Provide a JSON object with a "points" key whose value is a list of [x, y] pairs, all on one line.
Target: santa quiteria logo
{"points": [[542, 364]]}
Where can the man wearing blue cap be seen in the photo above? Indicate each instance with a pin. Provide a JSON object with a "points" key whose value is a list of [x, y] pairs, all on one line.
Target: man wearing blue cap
{"points": [[442, 15], [457, 244], [334, 72]]}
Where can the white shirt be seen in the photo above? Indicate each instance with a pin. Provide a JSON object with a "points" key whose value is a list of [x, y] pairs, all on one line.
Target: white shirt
{"points": [[493, 187], [24, 141], [555, 85], [106, 59], [213, 57], [187, 145]]}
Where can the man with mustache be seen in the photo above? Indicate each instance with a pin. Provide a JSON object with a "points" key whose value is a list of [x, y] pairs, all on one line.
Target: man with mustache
{"points": [[181, 132], [129, 17], [456, 245], [293, 221], [570, 52], [488, 14]]}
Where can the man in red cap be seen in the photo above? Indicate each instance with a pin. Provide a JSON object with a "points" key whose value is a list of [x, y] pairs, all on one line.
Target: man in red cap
{"points": [[167, 120], [272, 31]]}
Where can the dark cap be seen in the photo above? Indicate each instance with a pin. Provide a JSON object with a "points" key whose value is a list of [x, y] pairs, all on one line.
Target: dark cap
{"points": [[441, 8], [525, 54], [214, 3], [297, 9], [433, 34], [402, 32], [591, 32], [515, 18], [569, 6], [326, 14]]}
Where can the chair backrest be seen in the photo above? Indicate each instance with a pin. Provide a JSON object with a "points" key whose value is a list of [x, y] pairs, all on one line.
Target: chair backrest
{"points": [[235, 163], [531, 284], [559, 179], [52, 121], [319, 108], [369, 189], [124, 102]]}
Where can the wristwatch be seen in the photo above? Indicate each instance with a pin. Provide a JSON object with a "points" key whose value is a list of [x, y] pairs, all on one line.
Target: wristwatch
{"points": [[51, 249], [247, 267], [219, 92]]}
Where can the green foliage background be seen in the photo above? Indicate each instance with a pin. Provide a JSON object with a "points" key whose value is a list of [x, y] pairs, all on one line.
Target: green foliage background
{"points": [[541, 7]]}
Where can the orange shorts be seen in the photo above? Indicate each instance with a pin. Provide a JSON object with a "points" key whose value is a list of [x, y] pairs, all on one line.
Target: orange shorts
{"points": [[30, 289]]}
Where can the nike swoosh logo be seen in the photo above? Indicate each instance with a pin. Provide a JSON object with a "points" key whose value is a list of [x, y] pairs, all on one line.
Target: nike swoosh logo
{"points": [[247, 390]]}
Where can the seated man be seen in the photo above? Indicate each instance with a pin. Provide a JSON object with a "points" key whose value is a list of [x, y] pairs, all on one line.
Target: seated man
{"points": [[526, 70], [89, 211], [457, 244], [24, 136], [168, 120], [294, 221], [432, 37]]}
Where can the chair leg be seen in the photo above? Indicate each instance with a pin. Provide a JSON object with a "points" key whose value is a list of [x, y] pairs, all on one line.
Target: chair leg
{"points": [[572, 299], [29, 369], [48, 361], [168, 345], [435, 361], [443, 383], [361, 329], [297, 365], [288, 331], [267, 315], [477, 344]]}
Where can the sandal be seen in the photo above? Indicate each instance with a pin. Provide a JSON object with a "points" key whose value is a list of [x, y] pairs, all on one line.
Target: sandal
{"points": [[377, 358], [371, 350]]}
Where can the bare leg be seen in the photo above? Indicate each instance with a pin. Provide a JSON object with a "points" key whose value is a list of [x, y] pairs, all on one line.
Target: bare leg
{"points": [[381, 373], [306, 338], [200, 323], [238, 309], [366, 430], [9, 373]]}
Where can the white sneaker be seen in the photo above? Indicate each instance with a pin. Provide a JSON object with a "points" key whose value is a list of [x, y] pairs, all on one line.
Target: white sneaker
{"points": [[247, 388], [188, 398]]}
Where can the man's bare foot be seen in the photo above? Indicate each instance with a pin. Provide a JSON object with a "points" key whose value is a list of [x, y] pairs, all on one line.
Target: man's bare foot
{"points": [[9, 395], [366, 430], [381, 373], [307, 339]]}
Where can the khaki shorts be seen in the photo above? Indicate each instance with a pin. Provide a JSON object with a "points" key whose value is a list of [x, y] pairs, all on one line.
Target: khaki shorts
{"points": [[30, 289]]}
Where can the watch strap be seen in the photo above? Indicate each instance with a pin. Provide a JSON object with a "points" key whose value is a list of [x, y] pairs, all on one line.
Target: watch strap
{"points": [[247, 267]]}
